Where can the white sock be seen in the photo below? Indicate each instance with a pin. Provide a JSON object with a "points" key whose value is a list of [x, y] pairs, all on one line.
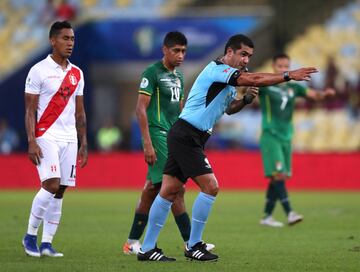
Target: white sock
{"points": [[52, 220], [39, 206]]}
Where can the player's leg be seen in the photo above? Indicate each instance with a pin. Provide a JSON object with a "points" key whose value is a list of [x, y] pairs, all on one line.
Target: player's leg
{"points": [[190, 157], [159, 211], [195, 164], [272, 158], [181, 216], [196, 248], [51, 222], [67, 156], [293, 217], [156, 174], [148, 194], [49, 173], [150, 190]]}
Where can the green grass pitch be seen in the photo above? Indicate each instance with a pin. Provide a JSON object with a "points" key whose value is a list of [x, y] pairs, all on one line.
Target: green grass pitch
{"points": [[96, 223]]}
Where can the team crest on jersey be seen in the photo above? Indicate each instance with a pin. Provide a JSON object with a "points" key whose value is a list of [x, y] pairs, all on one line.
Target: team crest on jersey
{"points": [[144, 83], [72, 79], [278, 166], [178, 82], [291, 92]]}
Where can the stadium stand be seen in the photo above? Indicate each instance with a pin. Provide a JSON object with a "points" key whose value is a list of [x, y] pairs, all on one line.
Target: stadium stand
{"points": [[23, 26], [335, 125]]}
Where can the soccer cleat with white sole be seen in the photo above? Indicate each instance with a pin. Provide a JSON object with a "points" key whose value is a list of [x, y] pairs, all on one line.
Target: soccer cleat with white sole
{"points": [[46, 249], [131, 248], [155, 255], [294, 218], [30, 245], [271, 222], [199, 253]]}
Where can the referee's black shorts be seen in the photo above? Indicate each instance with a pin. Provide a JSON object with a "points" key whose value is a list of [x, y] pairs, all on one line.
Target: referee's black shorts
{"points": [[186, 156]]}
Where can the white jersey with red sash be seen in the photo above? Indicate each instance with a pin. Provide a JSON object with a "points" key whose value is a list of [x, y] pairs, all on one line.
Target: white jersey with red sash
{"points": [[57, 90]]}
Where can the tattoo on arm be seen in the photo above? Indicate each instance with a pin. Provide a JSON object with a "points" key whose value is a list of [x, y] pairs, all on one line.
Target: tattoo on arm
{"points": [[81, 127]]}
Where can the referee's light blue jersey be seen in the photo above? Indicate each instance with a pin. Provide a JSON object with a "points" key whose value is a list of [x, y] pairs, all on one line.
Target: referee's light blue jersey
{"points": [[211, 94]]}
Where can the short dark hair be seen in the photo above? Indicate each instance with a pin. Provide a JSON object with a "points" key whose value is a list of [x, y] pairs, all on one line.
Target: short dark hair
{"points": [[280, 56], [57, 27], [235, 42], [174, 38]]}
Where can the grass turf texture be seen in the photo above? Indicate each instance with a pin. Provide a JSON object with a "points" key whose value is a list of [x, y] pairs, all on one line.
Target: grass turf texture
{"points": [[95, 225]]}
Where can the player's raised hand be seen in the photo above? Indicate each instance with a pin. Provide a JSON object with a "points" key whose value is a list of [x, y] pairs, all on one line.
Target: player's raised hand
{"points": [[251, 93], [150, 155], [34, 152], [83, 156], [302, 73]]}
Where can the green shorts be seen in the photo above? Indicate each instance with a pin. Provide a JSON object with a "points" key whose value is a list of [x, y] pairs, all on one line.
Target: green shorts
{"points": [[276, 154], [155, 172]]}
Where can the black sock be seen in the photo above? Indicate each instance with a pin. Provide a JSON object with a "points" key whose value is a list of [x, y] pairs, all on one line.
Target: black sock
{"points": [[271, 197], [138, 226], [183, 222], [282, 195]]}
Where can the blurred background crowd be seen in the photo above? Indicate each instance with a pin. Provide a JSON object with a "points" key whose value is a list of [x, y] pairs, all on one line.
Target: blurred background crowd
{"points": [[117, 39]]}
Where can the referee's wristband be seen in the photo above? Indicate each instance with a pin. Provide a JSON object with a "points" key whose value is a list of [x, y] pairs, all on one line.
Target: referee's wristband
{"points": [[287, 76]]}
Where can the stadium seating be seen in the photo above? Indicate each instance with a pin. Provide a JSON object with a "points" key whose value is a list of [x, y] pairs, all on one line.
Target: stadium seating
{"points": [[23, 30], [321, 130]]}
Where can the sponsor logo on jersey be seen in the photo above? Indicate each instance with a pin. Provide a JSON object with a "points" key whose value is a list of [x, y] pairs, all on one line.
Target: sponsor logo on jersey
{"points": [[144, 83], [165, 79]]}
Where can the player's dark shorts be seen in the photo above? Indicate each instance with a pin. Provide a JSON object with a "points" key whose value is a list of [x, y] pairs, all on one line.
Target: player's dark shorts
{"points": [[186, 156]]}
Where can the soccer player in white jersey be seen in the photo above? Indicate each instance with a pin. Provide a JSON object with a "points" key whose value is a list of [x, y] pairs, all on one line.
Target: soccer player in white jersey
{"points": [[55, 120]]}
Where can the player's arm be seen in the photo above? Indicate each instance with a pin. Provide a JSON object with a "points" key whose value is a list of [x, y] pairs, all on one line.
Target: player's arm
{"points": [[141, 107], [181, 104], [237, 105], [31, 104], [80, 118], [320, 95], [267, 79]]}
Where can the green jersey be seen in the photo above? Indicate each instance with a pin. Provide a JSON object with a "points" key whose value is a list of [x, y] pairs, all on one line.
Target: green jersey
{"points": [[277, 105], [166, 89]]}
